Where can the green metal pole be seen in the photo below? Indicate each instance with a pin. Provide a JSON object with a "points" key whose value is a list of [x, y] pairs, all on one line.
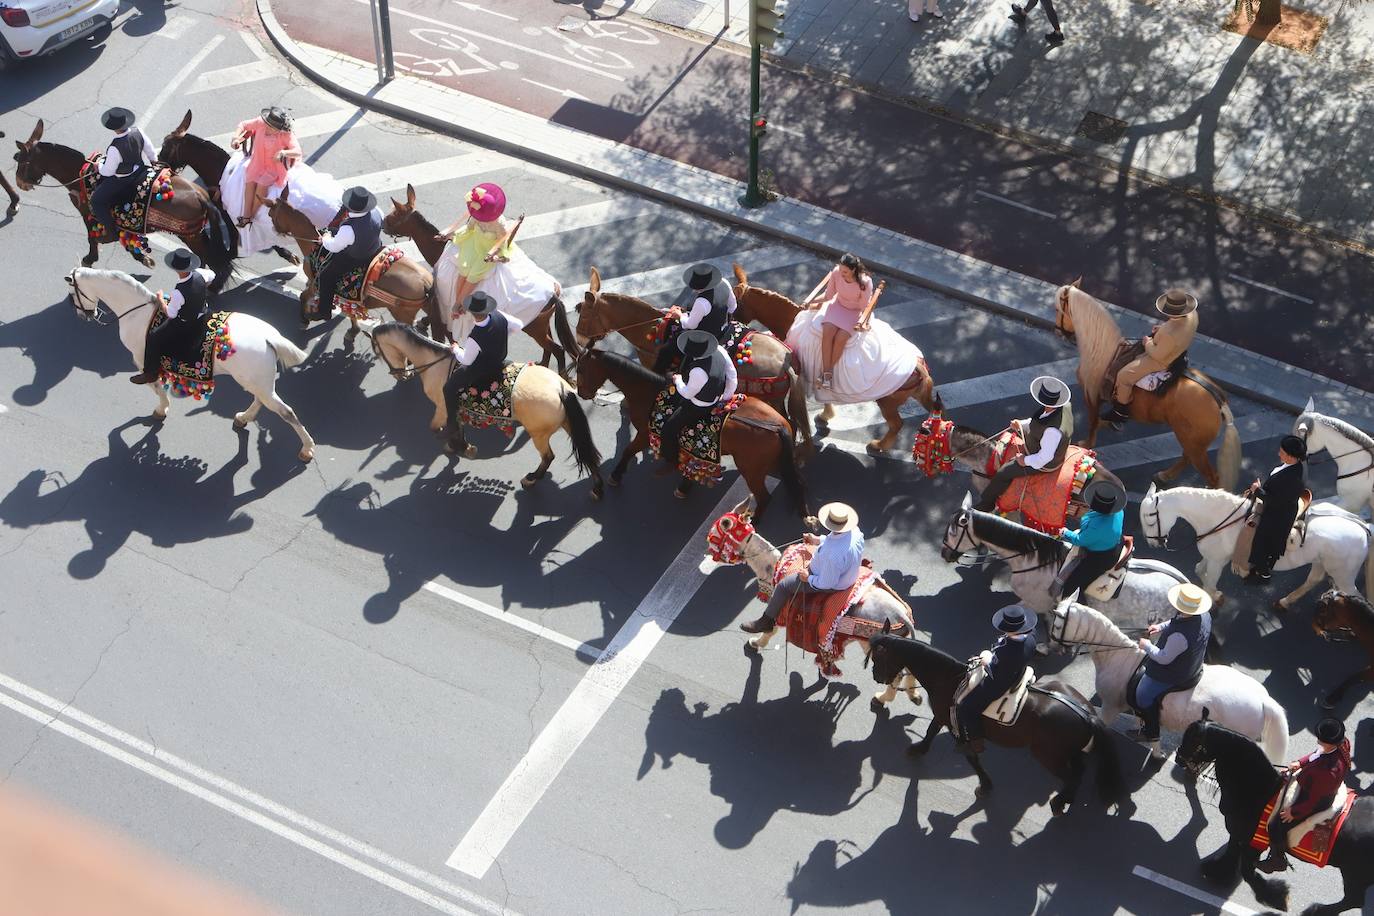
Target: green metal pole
{"points": [[753, 197]]}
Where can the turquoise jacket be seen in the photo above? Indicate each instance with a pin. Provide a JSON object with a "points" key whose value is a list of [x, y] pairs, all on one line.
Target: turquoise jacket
{"points": [[1097, 531]]}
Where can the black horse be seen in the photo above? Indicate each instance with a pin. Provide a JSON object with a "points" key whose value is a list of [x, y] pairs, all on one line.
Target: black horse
{"points": [[1248, 781], [1057, 724]]}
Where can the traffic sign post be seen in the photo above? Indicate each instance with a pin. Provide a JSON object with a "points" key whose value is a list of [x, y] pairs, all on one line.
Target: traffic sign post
{"points": [[763, 33]]}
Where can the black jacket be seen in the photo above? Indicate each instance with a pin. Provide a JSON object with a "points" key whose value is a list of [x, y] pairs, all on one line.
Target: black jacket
{"points": [[1280, 493]]}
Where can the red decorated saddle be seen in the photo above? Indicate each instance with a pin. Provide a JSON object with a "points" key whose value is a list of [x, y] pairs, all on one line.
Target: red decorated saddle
{"points": [[1317, 840], [1049, 499], [738, 343], [821, 623], [359, 284]]}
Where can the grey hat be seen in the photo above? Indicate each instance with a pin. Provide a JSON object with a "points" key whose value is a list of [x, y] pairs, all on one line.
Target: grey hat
{"points": [[276, 118], [1175, 303], [358, 200], [479, 305], [117, 119], [701, 277], [1049, 391], [1015, 619], [183, 260]]}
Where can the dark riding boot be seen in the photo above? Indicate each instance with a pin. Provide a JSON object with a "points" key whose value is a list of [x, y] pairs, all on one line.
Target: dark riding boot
{"points": [[1116, 413], [764, 624], [1257, 574], [1149, 724], [1275, 862], [143, 378]]}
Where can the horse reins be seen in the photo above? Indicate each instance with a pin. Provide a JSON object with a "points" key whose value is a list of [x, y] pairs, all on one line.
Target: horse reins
{"points": [[406, 372], [1225, 523], [95, 314]]}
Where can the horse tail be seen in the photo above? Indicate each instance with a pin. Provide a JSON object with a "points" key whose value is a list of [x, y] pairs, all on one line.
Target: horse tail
{"points": [[1111, 788], [580, 432], [221, 241], [787, 470], [1274, 733], [566, 338], [288, 354], [796, 405], [1228, 457]]}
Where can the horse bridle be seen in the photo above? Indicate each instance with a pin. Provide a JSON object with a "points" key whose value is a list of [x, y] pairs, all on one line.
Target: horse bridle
{"points": [[1160, 539], [1058, 623], [96, 312], [1061, 308], [406, 372], [1364, 470]]}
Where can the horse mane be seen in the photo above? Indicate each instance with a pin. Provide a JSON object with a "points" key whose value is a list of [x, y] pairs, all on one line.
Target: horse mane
{"points": [[631, 367], [1239, 749], [1098, 336], [1354, 434], [904, 647], [1106, 630], [626, 298], [772, 295], [1002, 532], [395, 327], [134, 287], [205, 144], [425, 225], [59, 149], [1204, 494]]}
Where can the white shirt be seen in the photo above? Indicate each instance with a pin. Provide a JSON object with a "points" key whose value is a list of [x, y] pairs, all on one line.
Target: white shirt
{"points": [[466, 353], [697, 377], [177, 300], [113, 158], [342, 237], [1049, 441], [701, 308]]}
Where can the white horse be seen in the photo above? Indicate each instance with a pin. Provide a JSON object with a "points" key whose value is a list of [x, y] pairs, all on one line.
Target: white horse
{"points": [[1035, 558], [1336, 541], [1350, 448], [1234, 699], [258, 346]]}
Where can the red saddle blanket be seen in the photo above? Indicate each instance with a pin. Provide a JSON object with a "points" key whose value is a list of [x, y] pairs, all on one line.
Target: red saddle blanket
{"points": [[814, 622], [1047, 500], [1310, 849], [357, 285]]}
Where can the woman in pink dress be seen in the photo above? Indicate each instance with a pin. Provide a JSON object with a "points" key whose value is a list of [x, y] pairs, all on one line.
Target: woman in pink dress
{"points": [[848, 287], [272, 149]]}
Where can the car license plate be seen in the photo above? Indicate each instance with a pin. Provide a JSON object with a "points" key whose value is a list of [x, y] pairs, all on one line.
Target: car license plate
{"points": [[77, 29]]}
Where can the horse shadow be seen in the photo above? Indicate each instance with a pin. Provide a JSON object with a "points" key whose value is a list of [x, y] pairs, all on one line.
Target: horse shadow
{"points": [[47, 340]]}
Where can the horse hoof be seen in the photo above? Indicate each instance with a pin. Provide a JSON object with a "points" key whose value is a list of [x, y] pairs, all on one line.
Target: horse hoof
{"points": [[916, 699], [159, 415], [750, 649], [1058, 806], [876, 447], [528, 481], [306, 455], [469, 451], [240, 424], [876, 705], [982, 791], [87, 262]]}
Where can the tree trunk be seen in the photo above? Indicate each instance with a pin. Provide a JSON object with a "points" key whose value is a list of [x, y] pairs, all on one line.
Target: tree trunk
{"points": [[1270, 12]]}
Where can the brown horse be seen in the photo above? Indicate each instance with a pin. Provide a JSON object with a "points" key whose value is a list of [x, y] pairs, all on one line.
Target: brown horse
{"points": [[191, 215], [636, 320], [404, 221], [407, 288], [776, 312], [1193, 406], [5, 183], [1346, 618], [756, 435]]}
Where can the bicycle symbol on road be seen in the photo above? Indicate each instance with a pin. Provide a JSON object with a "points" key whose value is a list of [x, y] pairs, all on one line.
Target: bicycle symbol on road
{"points": [[444, 66]]}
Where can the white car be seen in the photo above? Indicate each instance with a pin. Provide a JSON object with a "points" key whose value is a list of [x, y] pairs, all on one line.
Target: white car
{"points": [[32, 28]]}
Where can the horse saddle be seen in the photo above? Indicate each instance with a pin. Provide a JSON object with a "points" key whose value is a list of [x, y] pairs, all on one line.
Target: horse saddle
{"points": [[1128, 351], [1134, 682], [1320, 824], [1007, 707], [1106, 586]]}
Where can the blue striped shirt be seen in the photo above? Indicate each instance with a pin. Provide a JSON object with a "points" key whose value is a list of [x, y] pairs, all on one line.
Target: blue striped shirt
{"points": [[837, 560]]}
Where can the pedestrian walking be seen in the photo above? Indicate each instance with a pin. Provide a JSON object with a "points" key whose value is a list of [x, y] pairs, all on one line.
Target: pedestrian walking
{"points": [[914, 8], [1018, 16]]}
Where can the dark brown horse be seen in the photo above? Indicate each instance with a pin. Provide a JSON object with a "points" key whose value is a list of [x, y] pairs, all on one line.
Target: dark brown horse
{"points": [[5, 183], [404, 221], [1346, 618], [207, 229], [1057, 724], [776, 312], [755, 436]]}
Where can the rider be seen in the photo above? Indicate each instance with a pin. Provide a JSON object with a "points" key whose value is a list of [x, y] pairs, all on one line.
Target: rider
{"points": [[482, 356], [707, 377], [126, 162], [1005, 665], [712, 303], [1045, 434], [1177, 659], [1098, 537], [1166, 343], [352, 245], [185, 309], [848, 287], [834, 566], [273, 146], [1281, 493], [482, 229], [1320, 775]]}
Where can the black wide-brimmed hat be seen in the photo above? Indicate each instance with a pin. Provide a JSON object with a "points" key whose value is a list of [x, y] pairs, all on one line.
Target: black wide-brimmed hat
{"points": [[182, 260], [479, 305], [701, 277], [1049, 391], [1175, 303], [117, 119], [359, 200], [1295, 447], [1330, 731], [1015, 618], [695, 343], [276, 118], [1105, 496]]}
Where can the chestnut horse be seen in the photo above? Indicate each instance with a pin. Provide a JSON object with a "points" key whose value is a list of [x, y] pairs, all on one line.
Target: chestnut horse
{"points": [[756, 435], [1346, 618], [776, 312], [209, 233]]}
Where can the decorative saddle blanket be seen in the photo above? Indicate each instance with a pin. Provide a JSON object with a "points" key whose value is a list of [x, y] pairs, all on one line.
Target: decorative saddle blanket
{"points": [[491, 406], [738, 342], [1045, 500], [133, 217], [1006, 708], [359, 284], [1105, 586], [699, 450], [193, 374], [1318, 832]]}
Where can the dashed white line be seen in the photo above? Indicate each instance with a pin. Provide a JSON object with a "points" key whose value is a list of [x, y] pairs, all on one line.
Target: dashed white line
{"points": [[1272, 289], [450, 167], [520, 623], [1015, 203], [236, 76], [180, 77], [1179, 887]]}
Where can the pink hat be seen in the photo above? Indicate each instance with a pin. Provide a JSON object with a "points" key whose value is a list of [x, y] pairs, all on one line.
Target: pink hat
{"points": [[486, 202]]}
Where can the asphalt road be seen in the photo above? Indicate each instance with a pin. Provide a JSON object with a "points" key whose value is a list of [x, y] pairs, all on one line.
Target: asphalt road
{"points": [[322, 684]]}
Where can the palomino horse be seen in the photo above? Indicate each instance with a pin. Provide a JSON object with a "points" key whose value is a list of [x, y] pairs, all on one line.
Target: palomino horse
{"points": [[756, 436], [205, 228], [1236, 700], [1352, 450], [1335, 544], [776, 312], [1193, 406], [407, 285], [734, 540], [636, 320], [542, 401], [404, 221], [1346, 618], [1057, 724], [258, 347]]}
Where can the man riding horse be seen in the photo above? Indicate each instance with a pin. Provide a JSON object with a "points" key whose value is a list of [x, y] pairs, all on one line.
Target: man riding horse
{"points": [[834, 567], [186, 310], [482, 356], [352, 245], [712, 302], [1004, 667], [1046, 436], [1319, 775], [706, 378], [126, 163], [1177, 660], [1165, 344]]}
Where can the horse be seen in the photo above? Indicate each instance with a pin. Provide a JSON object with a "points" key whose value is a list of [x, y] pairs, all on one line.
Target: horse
{"points": [[755, 436], [208, 230], [408, 286], [1352, 450], [1248, 781], [1237, 700], [1193, 406], [1343, 617], [1057, 724], [208, 160], [1335, 544], [637, 321], [1035, 559], [776, 312], [737, 541], [542, 401], [258, 347], [404, 221]]}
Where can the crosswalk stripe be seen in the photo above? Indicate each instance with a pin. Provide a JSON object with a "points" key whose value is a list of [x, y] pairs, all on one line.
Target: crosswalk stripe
{"points": [[648, 282], [586, 216], [421, 173], [308, 126], [235, 76], [1265, 423]]}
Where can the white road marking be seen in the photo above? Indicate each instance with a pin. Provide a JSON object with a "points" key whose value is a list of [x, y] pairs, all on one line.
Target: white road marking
{"points": [[450, 167], [649, 282], [308, 126], [235, 76], [587, 703], [520, 623], [172, 85], [1273, 289], [566, 93], [478, 8], [277, 823], [175, 28], [1225, 906], [1013, 203], [1263, 424], [586, 216]]}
